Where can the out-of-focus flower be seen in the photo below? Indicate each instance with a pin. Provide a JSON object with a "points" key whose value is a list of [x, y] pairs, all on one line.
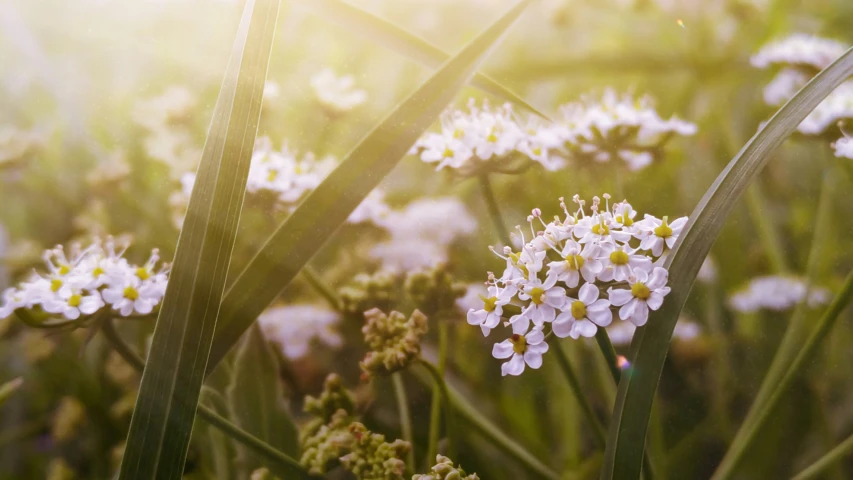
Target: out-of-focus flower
{"points": [[166, 118], [433, 291], [837, 106], [445, 470], [799, 50], [844, 147], [708, 271], [365, 291], [621, 333], [69, 416], [394, 341], [374, 458], [173, 107], [784, 85], [778, 293], [294, 327], [372, 209], [110, 170], [17, 145], [337, 94]]}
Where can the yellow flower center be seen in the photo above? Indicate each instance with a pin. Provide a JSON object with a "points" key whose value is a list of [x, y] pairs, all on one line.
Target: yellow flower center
{"points": [[55, 284], [131, 293], [519, 343], [618, 257], [64, 269], [458, 133], [664, 230], [492, 138], [600, 229], [516, 260], [537, 151], [97, 272], [625, 220], [574, 261], [142, 273], [537, 294], [578, 310], [447, 153], [489, 303], [272, 175], [74, 300], [641, 291]]}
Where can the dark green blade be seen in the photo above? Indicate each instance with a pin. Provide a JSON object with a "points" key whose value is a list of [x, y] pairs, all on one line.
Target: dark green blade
{"points": [[413, 47], [319, 216], [626, 437], [168, 396]]}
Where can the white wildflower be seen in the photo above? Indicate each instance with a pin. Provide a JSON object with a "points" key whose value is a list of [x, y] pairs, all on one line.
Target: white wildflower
{"points": [[294, 327], [655, 233], [776, 292], [521, 348], [646, 293], [581, 315], [799, 50], [337, 94], [843, 147]]}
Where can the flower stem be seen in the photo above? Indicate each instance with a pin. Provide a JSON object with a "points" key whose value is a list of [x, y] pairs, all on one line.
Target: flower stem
{"points": [[749, 432], [278, 460], [317, 283], [828, 460], [405, 417], [435, 405], [449, 421], [766, 231], [577, 390], [494, 210], [606, 347]]}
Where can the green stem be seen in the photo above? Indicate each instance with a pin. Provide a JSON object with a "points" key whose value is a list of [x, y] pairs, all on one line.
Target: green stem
{"points": [[449, 421], [766, 231], [317, 283], [577, 390], [749, 432], [494, 210], [825, 462], [435, 403], [277, 460], [606, 347], [405, 417]]}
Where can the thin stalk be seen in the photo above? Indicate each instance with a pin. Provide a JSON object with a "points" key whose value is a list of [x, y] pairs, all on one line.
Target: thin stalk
{"points": [[721, 395], [606, 347], [435, 403], [494, 210], [577, 390], [806, 353], [766, 231], [258, 446], [405, 417], [313, 278], [828, 460], [449, 421]]}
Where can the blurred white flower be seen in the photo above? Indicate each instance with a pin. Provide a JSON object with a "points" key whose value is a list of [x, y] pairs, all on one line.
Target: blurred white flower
{"points": [[338, 94], [799, 50], [837, 106], [784, 85], [776, 292], [173, 107], [109, 170], [708, 271], [17, 145], [372, 209], [844, 147], [621, 333], [294, 327], [521, 348]]}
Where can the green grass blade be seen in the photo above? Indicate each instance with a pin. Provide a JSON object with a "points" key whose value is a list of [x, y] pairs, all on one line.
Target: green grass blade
{"points": [[326, 208], [168, 397], [413, 47], [256, 398], [626, 436], [9, 388], [824, 463]]}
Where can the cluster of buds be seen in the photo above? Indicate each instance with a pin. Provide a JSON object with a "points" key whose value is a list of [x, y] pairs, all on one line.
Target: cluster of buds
{"points": [[374, 458], [83, 281], [445, 470], [434, 291], [558, 276], [326, 444], [367, 291], [393, 339]]}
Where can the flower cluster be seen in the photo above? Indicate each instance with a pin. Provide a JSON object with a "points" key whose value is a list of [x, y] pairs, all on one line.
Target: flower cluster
{"points": [[615, 126], [336, 94], [294, 327], [83, 281], [778, 293], [393, 339], [597, 129], [445, 470], [288, 178], [844, 147], [367, 291], [374, 458], [558, 277]]}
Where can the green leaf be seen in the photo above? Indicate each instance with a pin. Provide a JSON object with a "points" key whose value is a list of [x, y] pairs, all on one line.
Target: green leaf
{"points": [[626, 436], [168, 397], [327, 208], [256, 398], [415, 48]]}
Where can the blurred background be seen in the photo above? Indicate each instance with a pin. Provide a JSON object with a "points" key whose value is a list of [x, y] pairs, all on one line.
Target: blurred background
{"points": [[104, 106]]}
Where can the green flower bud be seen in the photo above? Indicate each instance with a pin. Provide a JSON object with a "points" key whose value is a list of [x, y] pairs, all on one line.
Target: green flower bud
{"points": [[374, 459], [368, 291], [434, 291], [394, 341], [445, 470]]}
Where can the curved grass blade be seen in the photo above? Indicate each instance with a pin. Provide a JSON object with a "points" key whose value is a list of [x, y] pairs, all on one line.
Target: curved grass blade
{"points": [[327, 207], [171, 383], [415, 48], [626, 436]]}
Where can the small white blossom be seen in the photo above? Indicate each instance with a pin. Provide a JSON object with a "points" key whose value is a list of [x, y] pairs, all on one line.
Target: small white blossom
{"points": [[658, 233], [708, 271], [843, 147], [619, 263], [646, 294], [581, 315], [578, 261], [545, 299], [776, 293], [488, 315], [521, 348], [338, 94]]}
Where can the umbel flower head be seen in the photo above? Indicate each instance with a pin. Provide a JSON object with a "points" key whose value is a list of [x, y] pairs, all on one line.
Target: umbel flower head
{"points": [[372, 458], [434, 291], [445, 470], [326, 443], [393, 339], [571, 273]]}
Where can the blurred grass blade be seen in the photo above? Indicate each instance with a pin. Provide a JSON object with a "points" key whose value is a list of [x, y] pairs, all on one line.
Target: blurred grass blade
{"points": [[413, 47], [326, 208], [168, 397], [9, 388], [626, 437], [256, 398], [749, 432], [833, 457]]}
